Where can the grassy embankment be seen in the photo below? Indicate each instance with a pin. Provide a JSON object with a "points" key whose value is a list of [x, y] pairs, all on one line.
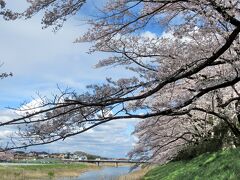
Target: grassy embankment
{"points": [[215, 166], [45, 171], [136, 175]]}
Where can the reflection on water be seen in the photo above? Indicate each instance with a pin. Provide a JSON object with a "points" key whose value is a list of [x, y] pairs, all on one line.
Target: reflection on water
{"points": [[106, 173]]}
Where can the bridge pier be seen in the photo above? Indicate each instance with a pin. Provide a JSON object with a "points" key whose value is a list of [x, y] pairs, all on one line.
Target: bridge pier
{"points": [[116, 164], [98, 163]]}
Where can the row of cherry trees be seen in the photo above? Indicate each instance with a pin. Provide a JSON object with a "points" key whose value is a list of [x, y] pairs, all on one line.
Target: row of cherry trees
{"points": [[184, 82]]}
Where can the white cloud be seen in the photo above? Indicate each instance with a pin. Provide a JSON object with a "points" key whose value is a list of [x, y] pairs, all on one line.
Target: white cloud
{"points": [[5, 133], [149, 35], [7, 115], [168, 35]]}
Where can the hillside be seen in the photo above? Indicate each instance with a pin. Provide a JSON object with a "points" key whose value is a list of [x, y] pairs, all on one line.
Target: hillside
{"points": [[219, 165]]}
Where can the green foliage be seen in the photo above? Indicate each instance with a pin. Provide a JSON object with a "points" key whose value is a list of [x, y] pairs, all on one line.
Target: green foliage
{"points": [[40, 161], [221, 138], [194, 150], [51, 174], [51, 166], [224, 164]]}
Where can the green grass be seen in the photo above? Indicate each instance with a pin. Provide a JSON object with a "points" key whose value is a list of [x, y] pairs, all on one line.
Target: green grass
{"points": [[40, 161], [42, 171], [215, 166], [43, 167]]}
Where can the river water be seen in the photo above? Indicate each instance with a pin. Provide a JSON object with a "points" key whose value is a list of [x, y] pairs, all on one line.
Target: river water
{"points": [[106, 173]]}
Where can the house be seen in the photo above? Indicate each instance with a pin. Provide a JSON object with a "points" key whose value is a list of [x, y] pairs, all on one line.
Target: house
{"points": [[43, 155], [68, 156], [83, 158], [75, 156], [57, 155], [32, 154]]}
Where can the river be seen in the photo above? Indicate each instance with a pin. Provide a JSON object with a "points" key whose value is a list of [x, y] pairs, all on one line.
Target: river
{"points": [[106, 173]]}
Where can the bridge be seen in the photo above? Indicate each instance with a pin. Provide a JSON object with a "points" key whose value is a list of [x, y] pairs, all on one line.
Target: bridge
{"points": [[106, 161]]}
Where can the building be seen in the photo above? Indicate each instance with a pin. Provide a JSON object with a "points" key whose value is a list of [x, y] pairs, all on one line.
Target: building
{"points": [[57, 155], [42, 155], [83, 158]]}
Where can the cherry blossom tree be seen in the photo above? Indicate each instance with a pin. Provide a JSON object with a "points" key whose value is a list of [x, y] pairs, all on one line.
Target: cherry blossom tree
{"points": [[180, 76], [56, 12]]}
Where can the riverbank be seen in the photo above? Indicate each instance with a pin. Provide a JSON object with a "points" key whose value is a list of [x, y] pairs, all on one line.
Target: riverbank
{"points": [[224, 164], [135, 175], [43, 171]]}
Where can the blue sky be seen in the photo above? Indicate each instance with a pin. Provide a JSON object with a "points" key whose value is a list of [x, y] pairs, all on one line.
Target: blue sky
{"points": [[40, 60]]}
